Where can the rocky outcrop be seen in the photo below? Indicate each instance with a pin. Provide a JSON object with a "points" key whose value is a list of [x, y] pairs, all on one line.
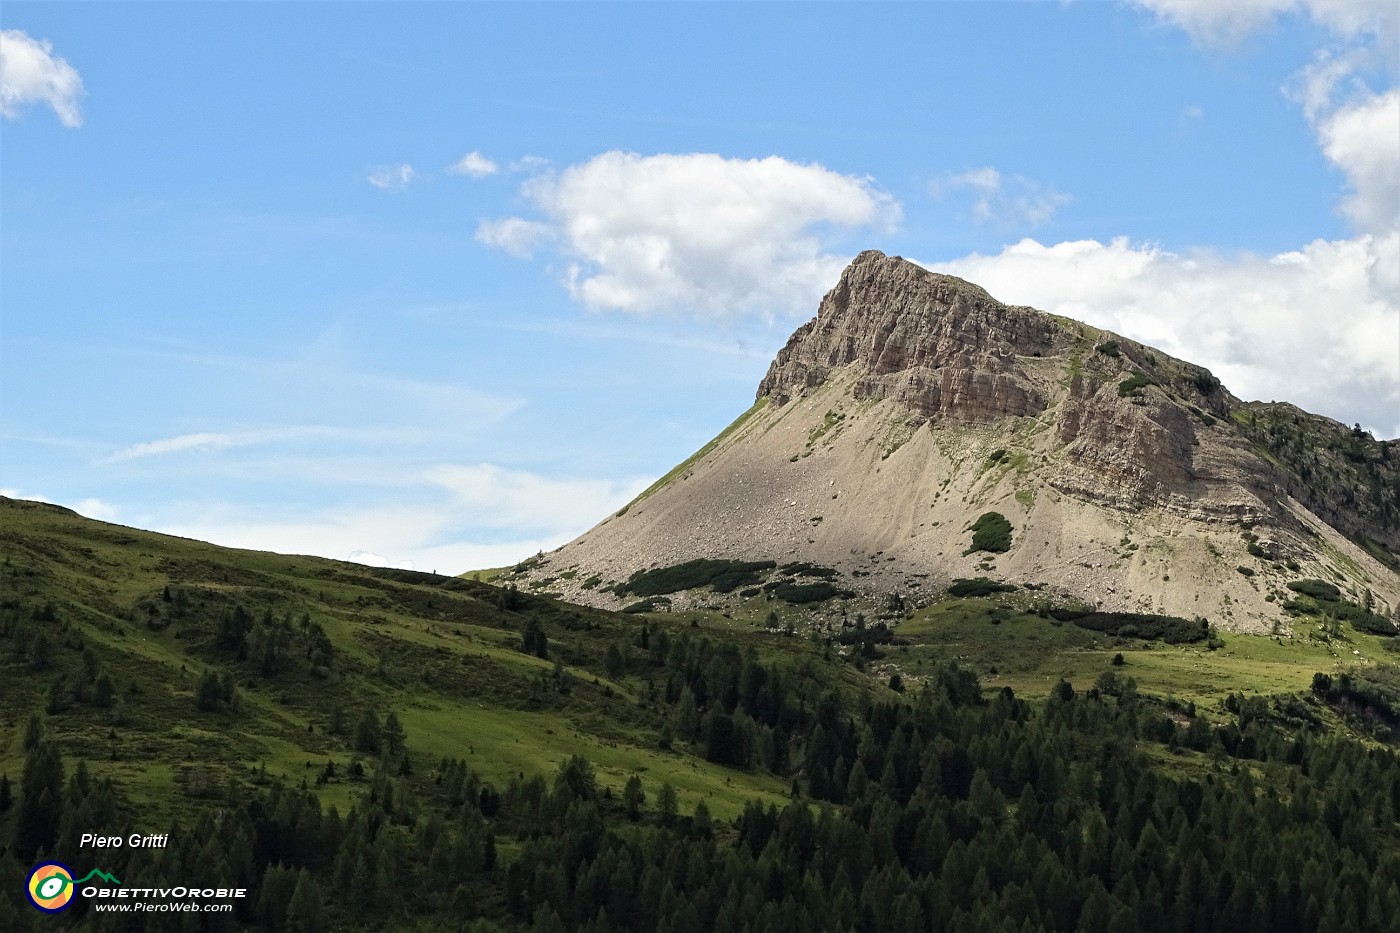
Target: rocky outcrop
{"points": [[914, 402], [938, 345]]}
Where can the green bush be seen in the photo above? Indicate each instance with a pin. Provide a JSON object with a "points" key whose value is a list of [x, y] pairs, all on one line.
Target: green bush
{"points": [[1322, 598], [1108, 348], [1317, 589], [991, 532], [1134, 384], [981, 586], [724, 575], [1171, 629]]}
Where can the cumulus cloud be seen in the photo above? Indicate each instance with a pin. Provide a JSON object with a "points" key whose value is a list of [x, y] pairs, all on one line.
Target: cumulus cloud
{"points": [[1006, 200], [1225, 22], [514, 235], [1319, 326], [698, 232], [391, 177], [30, 73], [1362, 138], [475, 165]]}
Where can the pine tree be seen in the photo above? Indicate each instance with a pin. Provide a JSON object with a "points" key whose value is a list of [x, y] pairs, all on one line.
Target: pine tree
{"points": [[305, 913], [633, 798], [368, 734], [615, 664], [667, 805], [208, 695], [41, 788], [393, 733], [275, 896]]}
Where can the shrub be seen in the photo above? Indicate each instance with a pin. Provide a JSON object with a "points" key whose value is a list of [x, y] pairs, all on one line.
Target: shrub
{"points": [[1171, 629], [1134, 384], [1108, 348], [724, 575], [1317, 589], [1322, 598], [981, 586], [992, 533]]}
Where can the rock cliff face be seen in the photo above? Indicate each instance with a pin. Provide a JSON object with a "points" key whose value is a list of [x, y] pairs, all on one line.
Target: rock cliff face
{"points": [[933, 343], [914, 402]]}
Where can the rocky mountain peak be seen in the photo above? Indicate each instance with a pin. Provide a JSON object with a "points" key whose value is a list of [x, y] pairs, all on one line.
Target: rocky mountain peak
{"points": [[936, 343], [915, 403]]}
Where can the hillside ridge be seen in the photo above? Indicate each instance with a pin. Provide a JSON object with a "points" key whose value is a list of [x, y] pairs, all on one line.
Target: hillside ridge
{"points": [[914, 402]]}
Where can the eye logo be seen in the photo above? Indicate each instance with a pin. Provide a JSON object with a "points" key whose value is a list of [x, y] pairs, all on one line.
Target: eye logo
{"points": [[51, 887]]}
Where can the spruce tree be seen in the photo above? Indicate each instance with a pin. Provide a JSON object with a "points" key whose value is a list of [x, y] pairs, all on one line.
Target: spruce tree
{"points": [[41, 789], [305, 913], [633, 798]]}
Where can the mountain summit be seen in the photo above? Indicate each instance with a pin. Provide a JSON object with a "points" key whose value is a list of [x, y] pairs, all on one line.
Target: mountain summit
{"points": [[916, 411]]}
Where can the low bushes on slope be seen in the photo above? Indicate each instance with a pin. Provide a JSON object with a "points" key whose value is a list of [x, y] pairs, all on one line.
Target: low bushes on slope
{"points": [[980, 586], [1171, 629], [799, 593], [1320, 598], [724, 575]]}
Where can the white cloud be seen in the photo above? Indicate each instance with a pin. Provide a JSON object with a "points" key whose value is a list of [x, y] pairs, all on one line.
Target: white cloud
{"points": [[96, 508], [1006, 200], [210, 441], [1363, 140], [529, 163], [698, 232], [1226, 22], [1319, 326], [11, 493], [169, 445], [460, 518], [496, 497], [514, 235], [29, 73], [391, 177], [474, 164]]}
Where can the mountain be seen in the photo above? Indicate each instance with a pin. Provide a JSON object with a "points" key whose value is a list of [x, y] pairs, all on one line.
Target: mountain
{"points": [[914, 404]]}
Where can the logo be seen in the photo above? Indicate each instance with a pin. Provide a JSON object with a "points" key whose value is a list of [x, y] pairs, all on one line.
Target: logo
{"points": [[51, 885]]}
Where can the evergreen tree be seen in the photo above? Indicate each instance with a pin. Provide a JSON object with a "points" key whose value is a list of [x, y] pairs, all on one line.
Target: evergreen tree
{"points": [[667, 805], [305, 913], [615, 664], [274, 897], [633, 798], [208, 693], [41, 788], [368, 733], [393, 734]]}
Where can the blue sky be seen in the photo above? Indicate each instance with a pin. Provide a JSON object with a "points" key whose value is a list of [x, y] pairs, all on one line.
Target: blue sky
{"points": [[442, 285]]}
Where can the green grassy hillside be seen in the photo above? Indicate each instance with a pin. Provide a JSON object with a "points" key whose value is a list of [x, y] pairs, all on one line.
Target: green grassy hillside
{"points": [[363, 748], [443, 654]]}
